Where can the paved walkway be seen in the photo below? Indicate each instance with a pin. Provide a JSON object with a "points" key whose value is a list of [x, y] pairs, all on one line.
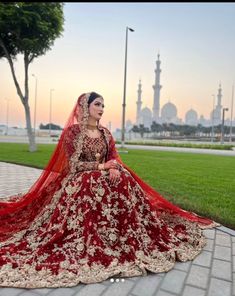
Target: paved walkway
{"points": [[212, 273], [181, 149]]}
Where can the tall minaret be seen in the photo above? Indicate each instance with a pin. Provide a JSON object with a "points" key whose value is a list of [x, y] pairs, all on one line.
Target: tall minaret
{"points": [[157, 87], [138, 103], [219, 96], [218, 108]]}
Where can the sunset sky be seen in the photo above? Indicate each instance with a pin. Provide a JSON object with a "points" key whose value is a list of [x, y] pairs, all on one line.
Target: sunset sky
{"points": [[196, 42]]}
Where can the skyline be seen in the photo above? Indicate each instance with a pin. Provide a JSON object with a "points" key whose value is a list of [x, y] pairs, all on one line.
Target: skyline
{"points": [[194, 41]]}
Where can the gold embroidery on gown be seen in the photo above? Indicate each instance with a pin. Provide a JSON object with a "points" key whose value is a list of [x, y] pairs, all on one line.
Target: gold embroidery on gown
{"points": [[91, 231]]}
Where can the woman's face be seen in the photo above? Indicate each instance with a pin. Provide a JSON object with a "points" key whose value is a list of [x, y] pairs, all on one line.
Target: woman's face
{"points": [[96, 108]]}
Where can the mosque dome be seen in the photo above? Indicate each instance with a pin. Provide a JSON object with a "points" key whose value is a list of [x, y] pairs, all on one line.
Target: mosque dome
{"points": [[146, 112], [168, 112], [191, 117]]}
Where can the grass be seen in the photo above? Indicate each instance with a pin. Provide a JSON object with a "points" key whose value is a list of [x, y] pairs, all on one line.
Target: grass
{"points": [[19, 154], [201, 183]]}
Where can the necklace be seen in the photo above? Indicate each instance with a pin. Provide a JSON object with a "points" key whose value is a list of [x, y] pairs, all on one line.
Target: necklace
{"points": [[92, 127]]}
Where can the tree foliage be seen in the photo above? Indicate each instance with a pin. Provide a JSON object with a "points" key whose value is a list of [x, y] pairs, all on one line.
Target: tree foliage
{"points": [[29, 29], [48, 126]]}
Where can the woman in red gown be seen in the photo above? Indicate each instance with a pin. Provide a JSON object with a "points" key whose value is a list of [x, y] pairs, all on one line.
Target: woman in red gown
{"points": [[89, 217]]}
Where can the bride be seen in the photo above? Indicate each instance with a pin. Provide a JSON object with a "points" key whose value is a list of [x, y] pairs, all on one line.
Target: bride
{"points": [[89, 217]]}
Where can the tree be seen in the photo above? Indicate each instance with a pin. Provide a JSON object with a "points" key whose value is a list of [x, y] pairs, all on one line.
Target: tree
{"points": [[29, 29], [47, 126], [135, 129], [143, 130], [156, 127]]}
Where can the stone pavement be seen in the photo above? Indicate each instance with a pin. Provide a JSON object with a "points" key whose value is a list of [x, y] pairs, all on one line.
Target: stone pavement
{"points": [[212, 273], [181, 149]]}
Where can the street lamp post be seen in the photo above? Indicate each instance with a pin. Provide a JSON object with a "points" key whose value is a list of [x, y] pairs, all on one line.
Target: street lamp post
{"points": [[222, 127], [124, 91], [212, 128], [51, 90], [35, 102]]}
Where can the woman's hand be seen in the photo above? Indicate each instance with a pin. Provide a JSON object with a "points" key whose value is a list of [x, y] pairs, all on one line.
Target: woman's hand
{"points": [[111, 164], [114, 176]]}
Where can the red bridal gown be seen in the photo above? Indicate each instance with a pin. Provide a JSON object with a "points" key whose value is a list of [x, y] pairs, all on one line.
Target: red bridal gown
{"points": [[91, 231]]}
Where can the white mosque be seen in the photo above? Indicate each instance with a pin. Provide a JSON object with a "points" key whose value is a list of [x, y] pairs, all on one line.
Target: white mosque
{"points": [[168, 112]]}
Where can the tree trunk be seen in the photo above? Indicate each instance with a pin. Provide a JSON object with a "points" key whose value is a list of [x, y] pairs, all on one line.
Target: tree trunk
{"points": [[31, 135], [23, 98]]}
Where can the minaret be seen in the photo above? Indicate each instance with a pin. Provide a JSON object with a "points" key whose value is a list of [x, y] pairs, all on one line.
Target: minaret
{"points": [[219, 96], [157, 87], [138, 103], [218, 108]]}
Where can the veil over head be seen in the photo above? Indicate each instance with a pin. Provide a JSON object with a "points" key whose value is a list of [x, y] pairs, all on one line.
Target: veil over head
{"points": [[18, 211]]}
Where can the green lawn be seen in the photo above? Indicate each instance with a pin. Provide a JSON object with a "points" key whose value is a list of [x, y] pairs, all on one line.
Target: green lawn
{"points": [[18, 153], [201, 183]]}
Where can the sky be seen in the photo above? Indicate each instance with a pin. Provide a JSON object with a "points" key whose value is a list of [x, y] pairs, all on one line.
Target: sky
{"points": [[197, 51]]}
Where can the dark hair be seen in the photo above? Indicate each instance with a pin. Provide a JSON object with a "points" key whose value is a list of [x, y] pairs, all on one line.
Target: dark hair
{"points": [[92, 97]]}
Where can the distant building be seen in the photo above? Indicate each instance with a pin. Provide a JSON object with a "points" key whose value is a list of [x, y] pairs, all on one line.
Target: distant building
{"points": [[216, 114], [139, 103], [169, 111], [12, 131], [157, 87], [146, 117], [191, 117], [129, 125], [203, 121]]}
